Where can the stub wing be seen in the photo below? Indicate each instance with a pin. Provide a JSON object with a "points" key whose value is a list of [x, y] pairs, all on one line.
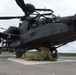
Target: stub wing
{"points": [[8, 36]]}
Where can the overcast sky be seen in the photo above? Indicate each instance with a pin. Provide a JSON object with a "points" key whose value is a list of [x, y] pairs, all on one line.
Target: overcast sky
{"points": [[60, 8]]}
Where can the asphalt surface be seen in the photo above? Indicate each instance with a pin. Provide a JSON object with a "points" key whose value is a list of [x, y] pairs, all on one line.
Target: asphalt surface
{"points": [[8, 67]]}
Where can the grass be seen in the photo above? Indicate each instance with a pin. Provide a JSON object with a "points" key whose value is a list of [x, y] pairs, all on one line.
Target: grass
{"points": [[68, 57], [7, 53]]}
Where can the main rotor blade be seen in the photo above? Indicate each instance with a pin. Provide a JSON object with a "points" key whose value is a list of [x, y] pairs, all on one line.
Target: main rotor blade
{"points": [[44, 10], [10, 17]]}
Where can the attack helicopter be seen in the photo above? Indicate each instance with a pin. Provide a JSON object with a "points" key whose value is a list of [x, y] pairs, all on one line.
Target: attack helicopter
{"points": [[38, 30]]}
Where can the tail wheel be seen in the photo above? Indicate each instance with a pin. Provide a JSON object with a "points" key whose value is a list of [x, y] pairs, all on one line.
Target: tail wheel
{"points": [[53, 56]]}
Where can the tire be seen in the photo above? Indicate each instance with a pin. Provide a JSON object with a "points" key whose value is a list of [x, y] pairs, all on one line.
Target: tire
{"points": [[18, 53], [53, 56]]}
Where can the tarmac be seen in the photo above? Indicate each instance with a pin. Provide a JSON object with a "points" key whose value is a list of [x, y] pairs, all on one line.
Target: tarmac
{"points": [[9, 65]]}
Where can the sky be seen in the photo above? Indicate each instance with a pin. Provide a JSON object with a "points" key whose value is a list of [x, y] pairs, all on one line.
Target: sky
{"points": [[60, 8]]}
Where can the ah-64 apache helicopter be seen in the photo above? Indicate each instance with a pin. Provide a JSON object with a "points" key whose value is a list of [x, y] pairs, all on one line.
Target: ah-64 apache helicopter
{"points": [[39, 30]]}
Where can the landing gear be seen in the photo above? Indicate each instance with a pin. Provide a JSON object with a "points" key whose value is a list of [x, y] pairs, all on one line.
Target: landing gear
{"points": [[53, 55], [45, 53], [19, 53]]}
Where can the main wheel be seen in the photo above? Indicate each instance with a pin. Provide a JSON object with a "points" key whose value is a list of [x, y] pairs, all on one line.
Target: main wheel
{"points": [[19, 53], [53, 56]]}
